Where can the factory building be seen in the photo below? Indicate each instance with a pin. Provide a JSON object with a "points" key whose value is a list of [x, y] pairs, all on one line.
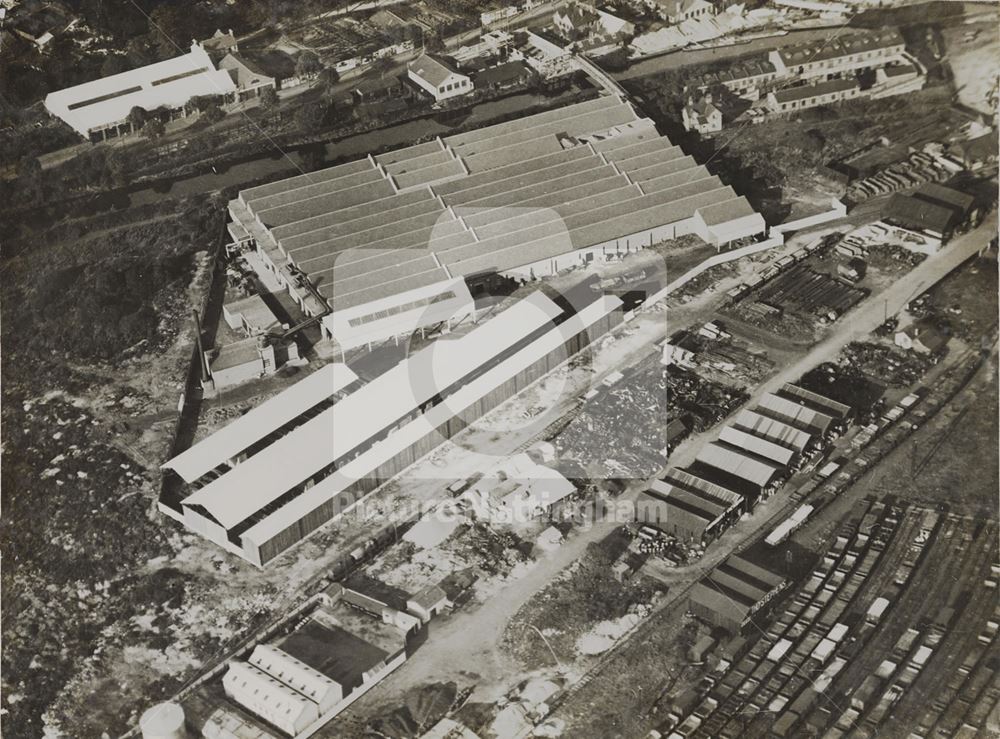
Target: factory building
{"points": [[391, 243], [772, 430], [100, 109], [751, 476], [740, 440], [932, 209], [792, 414], [267, 486], [735, 594], [688, 507], [841, 412]]}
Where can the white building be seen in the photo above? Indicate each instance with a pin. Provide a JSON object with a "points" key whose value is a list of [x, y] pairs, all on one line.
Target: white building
{"points": [[437, 78], [306, 461], [701, 115], [100, 109], [269, 698], [311, 683]]}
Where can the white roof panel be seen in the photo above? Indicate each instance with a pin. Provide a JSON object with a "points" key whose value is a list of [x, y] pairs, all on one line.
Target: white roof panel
{"points": [[756, 445], [253, 426], [752, 470], [367, 412], [169, 83], [363, 465], [772, 429]]}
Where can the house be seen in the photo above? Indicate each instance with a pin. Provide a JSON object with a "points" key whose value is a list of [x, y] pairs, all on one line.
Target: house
{"points": [[791, 99], [678, 11], [220, 43], [505, 76], [39, 23], [517, 491], [438, 79], [701, 115], [576, 20], [273, 63], [427, 603], [922, 337], [373, 89], [833, 57], [250, 81]]}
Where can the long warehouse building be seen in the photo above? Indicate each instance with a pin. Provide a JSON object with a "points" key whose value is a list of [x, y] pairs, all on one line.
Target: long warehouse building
{"points": [[688, 507], [387, 244], [260, 505]]}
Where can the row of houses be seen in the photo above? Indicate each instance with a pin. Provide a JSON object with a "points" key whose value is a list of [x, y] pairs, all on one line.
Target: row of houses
{"points": [[807, 75], [750, 459]]}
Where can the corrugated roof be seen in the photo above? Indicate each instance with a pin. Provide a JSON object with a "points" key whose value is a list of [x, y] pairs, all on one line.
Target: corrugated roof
{"points": [[752, 470], [682, 479], [261, 421], [297, 675], [940, 194], [828, 405], [772, 429], [344, 220], [320, 175], [792, 413], [498, 129], [756, 445]]}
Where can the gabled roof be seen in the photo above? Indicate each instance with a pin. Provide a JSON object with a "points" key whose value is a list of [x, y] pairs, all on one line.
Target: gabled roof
{"points": [[503, 73], [219, 41], [855, 43], [431, 69], [244, 72], [941, 195], [914, 212], [578, 16], [804, 92]]}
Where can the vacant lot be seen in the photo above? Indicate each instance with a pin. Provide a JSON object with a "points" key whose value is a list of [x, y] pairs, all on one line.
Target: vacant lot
{"points": [[571, 606]]}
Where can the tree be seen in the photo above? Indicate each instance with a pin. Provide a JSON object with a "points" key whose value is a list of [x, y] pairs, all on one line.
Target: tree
{"points": [[268, 98], [307, 64], [213, 113], [113, 64], [310, 116], [382, 65], [154, 129], [137, 118]]}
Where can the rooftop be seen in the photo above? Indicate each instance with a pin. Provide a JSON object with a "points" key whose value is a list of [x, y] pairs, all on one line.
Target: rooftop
{"points": [[435, 71], [917, 213], [846, 45], [261, 421], [170, 83], [805, 92]]}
